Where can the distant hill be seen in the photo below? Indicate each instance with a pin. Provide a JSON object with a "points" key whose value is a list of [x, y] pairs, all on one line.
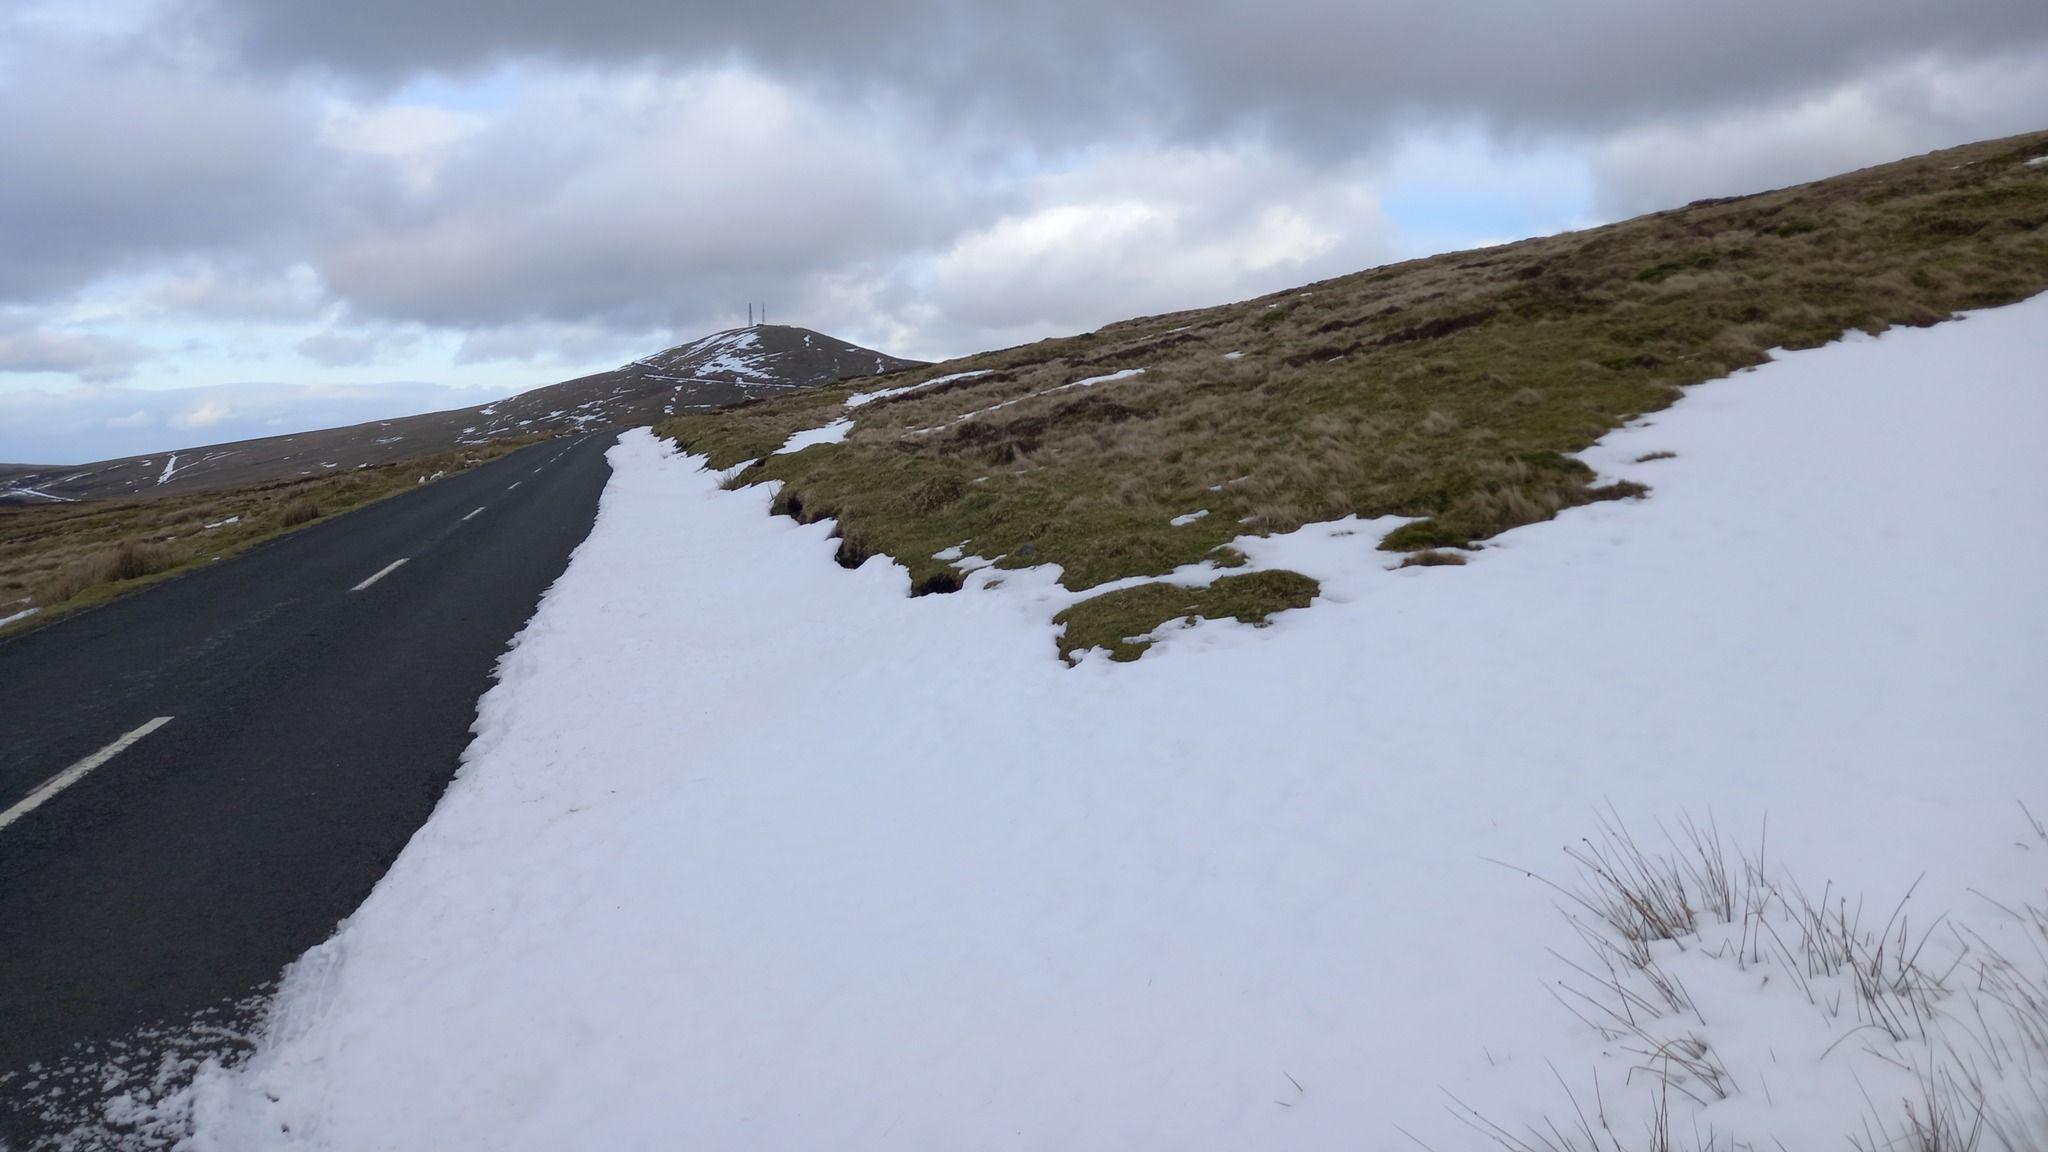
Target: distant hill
{"points": [[721, 369]]}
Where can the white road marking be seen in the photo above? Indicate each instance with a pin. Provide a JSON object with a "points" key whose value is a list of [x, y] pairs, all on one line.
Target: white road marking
{"points": [[77, 772], [380, 573], [472, 514], [514, 484]]}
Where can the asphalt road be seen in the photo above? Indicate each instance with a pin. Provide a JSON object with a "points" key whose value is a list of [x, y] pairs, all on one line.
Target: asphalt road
{"points": [[313, 726]]}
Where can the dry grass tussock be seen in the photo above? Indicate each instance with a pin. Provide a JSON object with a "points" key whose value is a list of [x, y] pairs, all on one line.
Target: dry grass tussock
{"points": [[1433, 558], [1452, 389], [63, 557], [128, 560], [1964, 1021], [300, 511]]}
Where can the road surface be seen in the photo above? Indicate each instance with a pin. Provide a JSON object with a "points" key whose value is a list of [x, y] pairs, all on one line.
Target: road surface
{"points": [[199, 781]]}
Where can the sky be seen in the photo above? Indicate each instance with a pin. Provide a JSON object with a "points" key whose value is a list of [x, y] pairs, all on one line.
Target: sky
{"points": [[230, 218]]}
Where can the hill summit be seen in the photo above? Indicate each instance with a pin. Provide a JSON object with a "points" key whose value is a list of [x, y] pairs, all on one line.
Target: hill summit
{"points": [[767, 355]]}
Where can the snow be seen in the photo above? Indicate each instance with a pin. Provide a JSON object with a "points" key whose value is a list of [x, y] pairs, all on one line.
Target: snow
{"points": [[1186, 519], [2037, 161], [1087, 382], [226, 522], [24, 614], [735, 355], [751, 851], [861, 398], [25, 490], [831, 433], [1233, 355]]}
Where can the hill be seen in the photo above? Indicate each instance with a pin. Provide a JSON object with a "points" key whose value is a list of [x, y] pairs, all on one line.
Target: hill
{"points": [[721, 369], [1451, 391]]}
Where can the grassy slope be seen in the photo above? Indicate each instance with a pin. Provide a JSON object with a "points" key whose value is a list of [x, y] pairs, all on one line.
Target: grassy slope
{"points": [[65, 557], [1451, 389]]}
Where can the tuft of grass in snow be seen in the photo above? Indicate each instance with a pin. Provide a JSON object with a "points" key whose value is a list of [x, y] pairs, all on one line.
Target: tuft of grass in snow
{"points": [[1451, 389], [1119, 621], [1953, 1053], [1433, 558]]}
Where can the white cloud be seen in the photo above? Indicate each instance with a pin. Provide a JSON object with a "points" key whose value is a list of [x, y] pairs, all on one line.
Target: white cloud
{"points": [[414, 139], [99, 422], [84, 356], [1931, 104], [205, 413], [1152, 232]]}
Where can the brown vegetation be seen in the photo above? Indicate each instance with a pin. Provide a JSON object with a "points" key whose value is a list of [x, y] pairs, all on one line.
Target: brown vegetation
{"points": [[1453, 390]]}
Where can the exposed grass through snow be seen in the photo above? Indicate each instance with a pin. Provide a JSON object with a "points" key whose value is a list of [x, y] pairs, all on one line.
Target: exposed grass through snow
{"points": [[1451, 389], [1102, 621]]}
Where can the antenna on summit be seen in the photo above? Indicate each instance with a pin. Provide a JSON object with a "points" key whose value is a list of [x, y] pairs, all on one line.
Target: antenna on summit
{"points": [[750, 314]]}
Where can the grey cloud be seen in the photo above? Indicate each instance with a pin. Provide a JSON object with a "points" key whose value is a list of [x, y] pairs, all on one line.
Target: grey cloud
{"points": [[1926, 105], [114, 164], [1321, 67], [678, 198]]}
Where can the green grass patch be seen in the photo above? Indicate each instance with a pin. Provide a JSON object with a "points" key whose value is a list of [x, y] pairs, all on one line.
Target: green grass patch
{"points": [[1690, 262], [1114, 620]]}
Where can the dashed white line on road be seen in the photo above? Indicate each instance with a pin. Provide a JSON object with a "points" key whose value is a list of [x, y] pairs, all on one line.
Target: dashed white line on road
{"points": [[380, 573], [514, 484], [77, 772], [472, 514]]}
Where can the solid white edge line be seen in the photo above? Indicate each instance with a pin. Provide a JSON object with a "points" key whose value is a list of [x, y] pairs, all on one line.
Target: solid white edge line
{"points": [[77, 772], [466, 518], [380, 573]]}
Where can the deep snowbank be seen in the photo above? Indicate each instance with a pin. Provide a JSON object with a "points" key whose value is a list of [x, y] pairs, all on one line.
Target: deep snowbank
{"points": [[754, 852]]}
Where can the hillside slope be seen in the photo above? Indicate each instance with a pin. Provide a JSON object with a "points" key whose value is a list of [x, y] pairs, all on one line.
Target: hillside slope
{"points": [[1249, 894], [721, 369], [1450, 391]]}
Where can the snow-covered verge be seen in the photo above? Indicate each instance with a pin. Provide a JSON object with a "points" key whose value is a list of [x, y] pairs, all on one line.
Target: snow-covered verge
{"points": [[754, 852]]}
